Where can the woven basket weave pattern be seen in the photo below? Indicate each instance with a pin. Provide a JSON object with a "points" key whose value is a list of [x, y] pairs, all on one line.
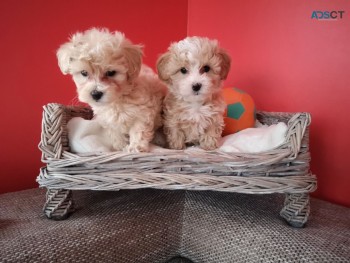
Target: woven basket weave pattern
{"points": [[281, 170]]}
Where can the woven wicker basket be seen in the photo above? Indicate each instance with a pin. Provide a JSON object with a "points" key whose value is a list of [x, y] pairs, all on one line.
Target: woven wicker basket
{"points": [[281, 170]]}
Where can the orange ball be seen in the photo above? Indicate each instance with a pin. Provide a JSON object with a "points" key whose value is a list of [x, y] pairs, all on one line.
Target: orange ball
{"points": [[240, 112]]}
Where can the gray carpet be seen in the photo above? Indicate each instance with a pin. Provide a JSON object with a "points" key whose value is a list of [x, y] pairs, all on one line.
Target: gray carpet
{"points": [[169, 226]]}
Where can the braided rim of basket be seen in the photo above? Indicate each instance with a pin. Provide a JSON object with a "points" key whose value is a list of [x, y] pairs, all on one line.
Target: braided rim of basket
{"points": [[116, 170]]}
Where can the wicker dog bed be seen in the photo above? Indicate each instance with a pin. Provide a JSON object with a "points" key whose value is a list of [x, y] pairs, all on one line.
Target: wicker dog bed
{"points": [[282, 170]]}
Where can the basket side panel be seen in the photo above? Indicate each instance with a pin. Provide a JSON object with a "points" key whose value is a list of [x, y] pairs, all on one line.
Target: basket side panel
{"points": [[54, 135], [270, 118]]}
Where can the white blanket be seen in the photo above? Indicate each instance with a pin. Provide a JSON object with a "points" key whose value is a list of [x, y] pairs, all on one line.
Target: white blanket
{"points": [[254, 140], [87, 136]]}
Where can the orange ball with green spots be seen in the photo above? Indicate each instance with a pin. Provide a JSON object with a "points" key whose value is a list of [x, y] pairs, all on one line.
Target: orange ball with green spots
{"points": [[240, 112]]}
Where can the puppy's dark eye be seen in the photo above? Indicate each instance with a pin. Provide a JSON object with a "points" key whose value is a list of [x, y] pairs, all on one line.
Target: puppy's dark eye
{"points": [[204, 69], [84, 73], [111, 73], [183, 70]]}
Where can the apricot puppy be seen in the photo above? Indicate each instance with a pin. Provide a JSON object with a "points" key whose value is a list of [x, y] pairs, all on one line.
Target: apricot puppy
{"points": [[194, 70]]}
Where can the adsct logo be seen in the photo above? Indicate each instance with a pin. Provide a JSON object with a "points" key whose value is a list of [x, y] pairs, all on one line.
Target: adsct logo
{"points": [[327, 15]]}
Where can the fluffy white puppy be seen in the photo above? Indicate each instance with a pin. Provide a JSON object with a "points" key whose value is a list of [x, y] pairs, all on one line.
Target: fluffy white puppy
{"points": [[125, 96], [194, 70]]}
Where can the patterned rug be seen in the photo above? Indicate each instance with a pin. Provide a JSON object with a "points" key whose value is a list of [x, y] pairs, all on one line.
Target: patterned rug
{"points": [[169, 226]]}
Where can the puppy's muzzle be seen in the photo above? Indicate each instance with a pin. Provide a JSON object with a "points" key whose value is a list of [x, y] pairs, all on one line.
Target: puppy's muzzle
{"points": [[96, 95], [196, 87]]}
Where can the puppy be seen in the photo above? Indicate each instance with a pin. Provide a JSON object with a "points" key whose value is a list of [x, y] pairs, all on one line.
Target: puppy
{"points": [[194, 70], [125, 95]]}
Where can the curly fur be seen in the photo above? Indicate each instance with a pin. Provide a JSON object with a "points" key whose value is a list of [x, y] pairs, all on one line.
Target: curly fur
{"points": [[194, 70], [125, 95]]}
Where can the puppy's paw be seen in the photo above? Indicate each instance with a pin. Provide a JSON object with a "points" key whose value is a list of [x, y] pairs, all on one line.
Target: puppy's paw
{"points": [[119, 145], [136, 148], [177, 145], [174, 137], [208, 143]]}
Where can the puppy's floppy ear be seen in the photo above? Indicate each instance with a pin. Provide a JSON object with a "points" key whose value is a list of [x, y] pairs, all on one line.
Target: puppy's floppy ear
{"points": [[133, 56], [64, 56], [225, 63], [162, 67]]}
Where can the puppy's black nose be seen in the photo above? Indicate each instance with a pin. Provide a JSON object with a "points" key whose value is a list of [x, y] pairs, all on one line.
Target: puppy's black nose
{"points": [[196, 87], [96, 95]]}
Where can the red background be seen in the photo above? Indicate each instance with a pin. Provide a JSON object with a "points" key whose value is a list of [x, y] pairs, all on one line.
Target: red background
{"points": [[31, 32], [283, 58], [289, 62]]}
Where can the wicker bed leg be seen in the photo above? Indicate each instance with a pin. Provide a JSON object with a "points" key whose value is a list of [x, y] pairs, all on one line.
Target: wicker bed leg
{"points": [[59, 204], [296, 209]]}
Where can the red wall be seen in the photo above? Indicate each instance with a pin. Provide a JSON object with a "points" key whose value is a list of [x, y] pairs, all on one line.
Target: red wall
{"points": [[31, 31], [290, 62]]}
